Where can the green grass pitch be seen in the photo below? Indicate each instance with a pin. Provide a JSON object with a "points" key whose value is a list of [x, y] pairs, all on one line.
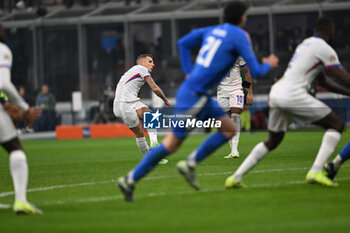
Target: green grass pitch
{"points": [[73, 182]]}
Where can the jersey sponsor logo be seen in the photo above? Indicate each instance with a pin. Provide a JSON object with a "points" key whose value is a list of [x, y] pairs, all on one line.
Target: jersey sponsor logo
{"points": [[133, 77], [333, 58]]}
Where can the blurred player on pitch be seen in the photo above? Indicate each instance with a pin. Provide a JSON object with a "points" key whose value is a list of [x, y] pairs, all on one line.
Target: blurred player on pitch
{"points": [[8, 133], [220, 46], [128, 106], [289, 100], [231, 97]]}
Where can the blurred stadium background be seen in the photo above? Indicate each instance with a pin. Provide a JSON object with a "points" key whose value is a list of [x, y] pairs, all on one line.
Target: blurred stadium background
{"points": [[87, 45]]}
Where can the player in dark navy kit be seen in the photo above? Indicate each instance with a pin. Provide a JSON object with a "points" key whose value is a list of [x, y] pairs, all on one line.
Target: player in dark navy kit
{"points": [[220, 47]]}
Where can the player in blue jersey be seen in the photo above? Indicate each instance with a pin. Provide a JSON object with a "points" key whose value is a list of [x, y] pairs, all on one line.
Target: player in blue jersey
{"points": [[220, 46], [332, 167]]}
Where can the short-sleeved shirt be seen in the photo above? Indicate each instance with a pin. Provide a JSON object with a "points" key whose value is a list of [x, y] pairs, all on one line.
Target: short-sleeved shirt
{"points": [[130, 84], [233, 80], [310, 58], [5, 56], [5, 78]]}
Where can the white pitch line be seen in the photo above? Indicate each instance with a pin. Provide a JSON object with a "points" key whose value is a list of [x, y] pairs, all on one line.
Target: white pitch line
{"points": [[5, 194], [5, 206], [39, 189], [57, 187], [187, 192]]}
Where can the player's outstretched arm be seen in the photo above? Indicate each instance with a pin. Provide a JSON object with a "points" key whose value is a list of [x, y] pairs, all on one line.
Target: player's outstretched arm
{"points": [[341, 74], [331, 85], [157, 90]]}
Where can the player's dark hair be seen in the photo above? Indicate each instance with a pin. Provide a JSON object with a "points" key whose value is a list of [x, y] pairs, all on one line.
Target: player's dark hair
{"points": [[143, 56], [234, 11], [2, 34], [324, 26]]}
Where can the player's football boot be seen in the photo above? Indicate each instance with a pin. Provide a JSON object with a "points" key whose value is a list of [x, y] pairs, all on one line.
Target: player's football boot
{"points": [[232, 155], [321, 178], [330, 171], [25, 208], [188, 172], [163, 161], [126, 189], [232, 183]]}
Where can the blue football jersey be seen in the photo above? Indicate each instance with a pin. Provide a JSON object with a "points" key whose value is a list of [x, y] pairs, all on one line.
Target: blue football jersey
{"points": [[220, 47]]}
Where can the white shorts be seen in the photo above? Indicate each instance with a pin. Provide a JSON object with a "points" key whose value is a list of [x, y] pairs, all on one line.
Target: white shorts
{"points": [[127, 111], [235, 100], [300, 107], [7, 129]]}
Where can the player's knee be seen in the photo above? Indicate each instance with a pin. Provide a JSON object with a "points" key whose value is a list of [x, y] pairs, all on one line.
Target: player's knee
{"points": [[18, 157], [12, 145], [340, 125], [229, 134], [273, 140]]}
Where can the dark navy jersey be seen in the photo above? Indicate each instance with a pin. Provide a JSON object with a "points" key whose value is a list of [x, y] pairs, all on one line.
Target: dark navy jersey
{"points": [[220, 47]]}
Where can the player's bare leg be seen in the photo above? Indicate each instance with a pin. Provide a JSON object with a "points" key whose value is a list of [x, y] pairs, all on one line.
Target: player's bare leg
{"points": [[235, 117], [258, 152]]}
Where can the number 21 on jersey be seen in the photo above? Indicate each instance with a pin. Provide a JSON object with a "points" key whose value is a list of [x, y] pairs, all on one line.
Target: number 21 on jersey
{"points": [[208, 50]]}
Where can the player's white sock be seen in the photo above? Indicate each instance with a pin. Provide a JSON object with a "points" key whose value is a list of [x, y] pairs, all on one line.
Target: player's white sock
{"points": [[142, 144], [329, 142], [235, 139], [191, 160], [258, 152], [19, 173], [152, 133], [337, 161]]}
